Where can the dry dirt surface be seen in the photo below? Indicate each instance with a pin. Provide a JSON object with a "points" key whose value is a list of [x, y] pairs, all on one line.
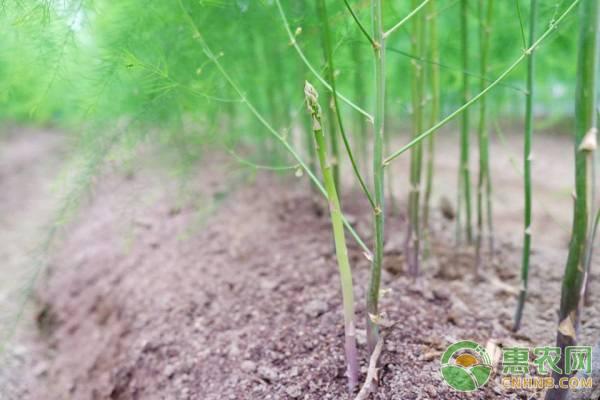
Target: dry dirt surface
{"points": [[29, 163], [231, 291]]}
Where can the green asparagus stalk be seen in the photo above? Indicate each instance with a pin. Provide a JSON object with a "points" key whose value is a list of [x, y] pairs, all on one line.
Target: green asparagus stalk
{"points": [[527, 157], [435, 114], [329, 97], [412, 243], [484, 163], [335, 107], [338, 234], [464, 186], [378, 173], [585, 143]]}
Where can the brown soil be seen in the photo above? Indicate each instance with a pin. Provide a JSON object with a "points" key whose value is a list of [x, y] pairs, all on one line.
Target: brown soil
{"points": [[29, 162], [229, 290]]}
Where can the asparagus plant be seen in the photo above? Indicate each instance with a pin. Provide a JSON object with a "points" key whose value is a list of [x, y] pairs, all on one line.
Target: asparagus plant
{"points": [[434, 114], [338, 234], [378, 43], [484, 163], [464, 179], [412, 242], [585, 143], [330, 106], [527, 158]]}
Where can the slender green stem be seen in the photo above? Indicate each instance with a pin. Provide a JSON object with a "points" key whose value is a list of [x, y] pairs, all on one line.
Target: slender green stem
{"points": [[415, 10], [585, 127], [378, 174], [389, 176], [492, 85], [360, 25], [310, 152], [594, 210], [521, 25], [339, 237], [527, 157], [312, 69], [485, 26], [589, 255], [360, 121], [250, 164], [412, 242], [452, 68], [330, 98], [209, 53], [434, 116], [464, 187], [322, 7]]}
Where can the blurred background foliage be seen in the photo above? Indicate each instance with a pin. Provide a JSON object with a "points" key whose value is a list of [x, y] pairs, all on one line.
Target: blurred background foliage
{"points": [[94, 67]]}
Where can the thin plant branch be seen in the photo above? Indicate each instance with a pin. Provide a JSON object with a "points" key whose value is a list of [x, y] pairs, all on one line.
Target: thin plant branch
{"points": [[360, 25], [310, 66], [405, 19]]}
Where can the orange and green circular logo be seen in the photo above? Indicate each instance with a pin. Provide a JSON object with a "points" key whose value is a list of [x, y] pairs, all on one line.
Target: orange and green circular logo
{"points": [[466, 366]]}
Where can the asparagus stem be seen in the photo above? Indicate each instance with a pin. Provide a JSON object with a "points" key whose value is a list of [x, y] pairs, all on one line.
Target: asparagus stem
{"points": [[464, 187], [310, 149], [329, 98], [527, 156], [412, 242], [585, 131], [389, 177], [338, 234], [588, 254], [360, 25], [335, 108], [484, 162], [435, 113], [378, 173]]}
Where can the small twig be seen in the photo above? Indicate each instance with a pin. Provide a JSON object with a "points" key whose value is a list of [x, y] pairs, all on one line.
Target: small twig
{"points": [[372, 371]]}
